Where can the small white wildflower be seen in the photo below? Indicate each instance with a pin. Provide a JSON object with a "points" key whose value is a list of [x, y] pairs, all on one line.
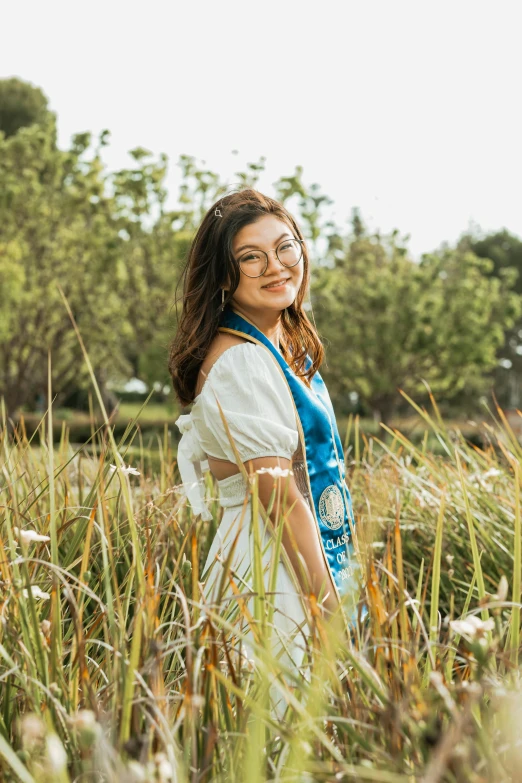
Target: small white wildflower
{"points": [[139, 773], [88, 728], [502, 589], [36, 592], [56, 753], [462, 627], [84, 719], [472, 627], [124, 469], [491, 473], [164, 767], [450, 559], [28, 536], [32, 729], [276, 472]]}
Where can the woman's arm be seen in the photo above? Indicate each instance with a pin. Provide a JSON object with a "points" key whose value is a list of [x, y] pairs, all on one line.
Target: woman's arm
{"points": [[302, 526]]}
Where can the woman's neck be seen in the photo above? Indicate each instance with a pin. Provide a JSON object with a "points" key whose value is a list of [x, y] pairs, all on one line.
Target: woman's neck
{"points": [[268, 322]]}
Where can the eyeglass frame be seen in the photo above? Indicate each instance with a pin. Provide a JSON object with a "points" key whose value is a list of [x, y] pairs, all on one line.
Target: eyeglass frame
{"points": [[286, 266]]}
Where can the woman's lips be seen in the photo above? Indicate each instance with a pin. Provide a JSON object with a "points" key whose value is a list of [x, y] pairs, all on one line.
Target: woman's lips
{"points": [[277, 287]]}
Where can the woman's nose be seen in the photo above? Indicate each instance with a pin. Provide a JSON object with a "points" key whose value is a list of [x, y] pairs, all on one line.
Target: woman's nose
{"points": [[273, 261]]}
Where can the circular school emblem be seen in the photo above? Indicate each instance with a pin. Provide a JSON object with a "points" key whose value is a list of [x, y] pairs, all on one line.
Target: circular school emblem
{"points": [[331, 507]]}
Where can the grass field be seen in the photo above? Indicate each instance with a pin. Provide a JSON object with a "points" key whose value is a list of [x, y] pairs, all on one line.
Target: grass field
{"points": [[111, 668], [152, 418]]}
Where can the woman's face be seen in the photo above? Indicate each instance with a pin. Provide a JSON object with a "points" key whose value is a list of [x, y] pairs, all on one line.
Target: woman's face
{"points": [[252, 294]]}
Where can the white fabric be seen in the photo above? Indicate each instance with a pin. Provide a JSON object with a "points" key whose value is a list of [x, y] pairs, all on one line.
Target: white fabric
{"points": [[261, 417], [289, 628], [258, 409], [190, 464]]}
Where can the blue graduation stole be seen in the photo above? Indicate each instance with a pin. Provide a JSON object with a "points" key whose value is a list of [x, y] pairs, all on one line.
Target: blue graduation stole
{"points": [[324, 463]]}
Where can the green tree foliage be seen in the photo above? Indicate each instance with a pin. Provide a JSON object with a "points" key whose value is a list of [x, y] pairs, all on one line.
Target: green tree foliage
{"points": [[153, 242], [21, 105], [389, 323], [505, 251], [56, 226]]}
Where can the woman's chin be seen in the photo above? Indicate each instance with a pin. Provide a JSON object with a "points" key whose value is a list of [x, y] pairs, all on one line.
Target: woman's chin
{"points": [[278, 301]]}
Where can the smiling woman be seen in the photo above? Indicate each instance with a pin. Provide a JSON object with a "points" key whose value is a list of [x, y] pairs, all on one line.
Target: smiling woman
{"points": [[246, 357]]}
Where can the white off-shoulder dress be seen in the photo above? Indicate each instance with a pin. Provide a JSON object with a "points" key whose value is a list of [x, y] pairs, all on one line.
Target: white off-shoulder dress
{"points": [[261, 417]]}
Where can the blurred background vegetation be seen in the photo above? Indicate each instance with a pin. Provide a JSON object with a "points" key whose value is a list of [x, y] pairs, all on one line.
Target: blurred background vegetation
{"points": [[450, 322]]}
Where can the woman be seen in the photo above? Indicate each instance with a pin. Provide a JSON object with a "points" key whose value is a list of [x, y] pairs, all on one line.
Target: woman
{"points": [[247, 358]]}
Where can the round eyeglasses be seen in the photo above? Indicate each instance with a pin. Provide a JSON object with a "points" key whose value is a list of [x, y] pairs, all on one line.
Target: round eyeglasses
{"points": [[254, 263]]}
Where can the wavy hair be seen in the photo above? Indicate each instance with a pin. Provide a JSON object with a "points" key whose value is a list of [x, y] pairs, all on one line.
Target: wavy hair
{"points": [[210, 266]]}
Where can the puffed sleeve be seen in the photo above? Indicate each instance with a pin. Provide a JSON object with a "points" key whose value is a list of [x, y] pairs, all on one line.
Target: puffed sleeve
{"points": [[256, 402]]}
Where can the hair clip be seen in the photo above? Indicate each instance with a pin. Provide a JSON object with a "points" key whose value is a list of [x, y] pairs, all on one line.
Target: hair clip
{"points": [[217, 212]]}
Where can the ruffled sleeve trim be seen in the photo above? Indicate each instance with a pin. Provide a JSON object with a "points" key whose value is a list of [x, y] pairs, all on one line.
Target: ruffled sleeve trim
{"points": [[191, 463]]}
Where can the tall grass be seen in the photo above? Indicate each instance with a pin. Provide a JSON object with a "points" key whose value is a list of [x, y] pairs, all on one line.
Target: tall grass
{"points": [[124, 673]]}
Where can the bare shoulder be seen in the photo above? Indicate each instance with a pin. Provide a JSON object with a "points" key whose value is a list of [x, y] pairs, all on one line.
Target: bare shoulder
{"points": [[221, 342]]}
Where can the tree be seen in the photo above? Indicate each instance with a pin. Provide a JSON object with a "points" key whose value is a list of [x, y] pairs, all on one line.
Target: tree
{"points": [[154, 245], [21, 104], [389, 323], [56, 226], [505, 251]]}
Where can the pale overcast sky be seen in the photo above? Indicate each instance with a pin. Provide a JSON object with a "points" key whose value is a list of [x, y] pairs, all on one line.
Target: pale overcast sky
{"points": [[409, 110]]}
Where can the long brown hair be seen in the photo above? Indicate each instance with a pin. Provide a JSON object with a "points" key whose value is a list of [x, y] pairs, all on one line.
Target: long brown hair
{"points": [[209, 267]]}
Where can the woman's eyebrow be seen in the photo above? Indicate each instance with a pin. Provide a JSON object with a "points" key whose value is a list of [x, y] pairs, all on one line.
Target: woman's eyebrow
{"points": [[244, 247]]}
